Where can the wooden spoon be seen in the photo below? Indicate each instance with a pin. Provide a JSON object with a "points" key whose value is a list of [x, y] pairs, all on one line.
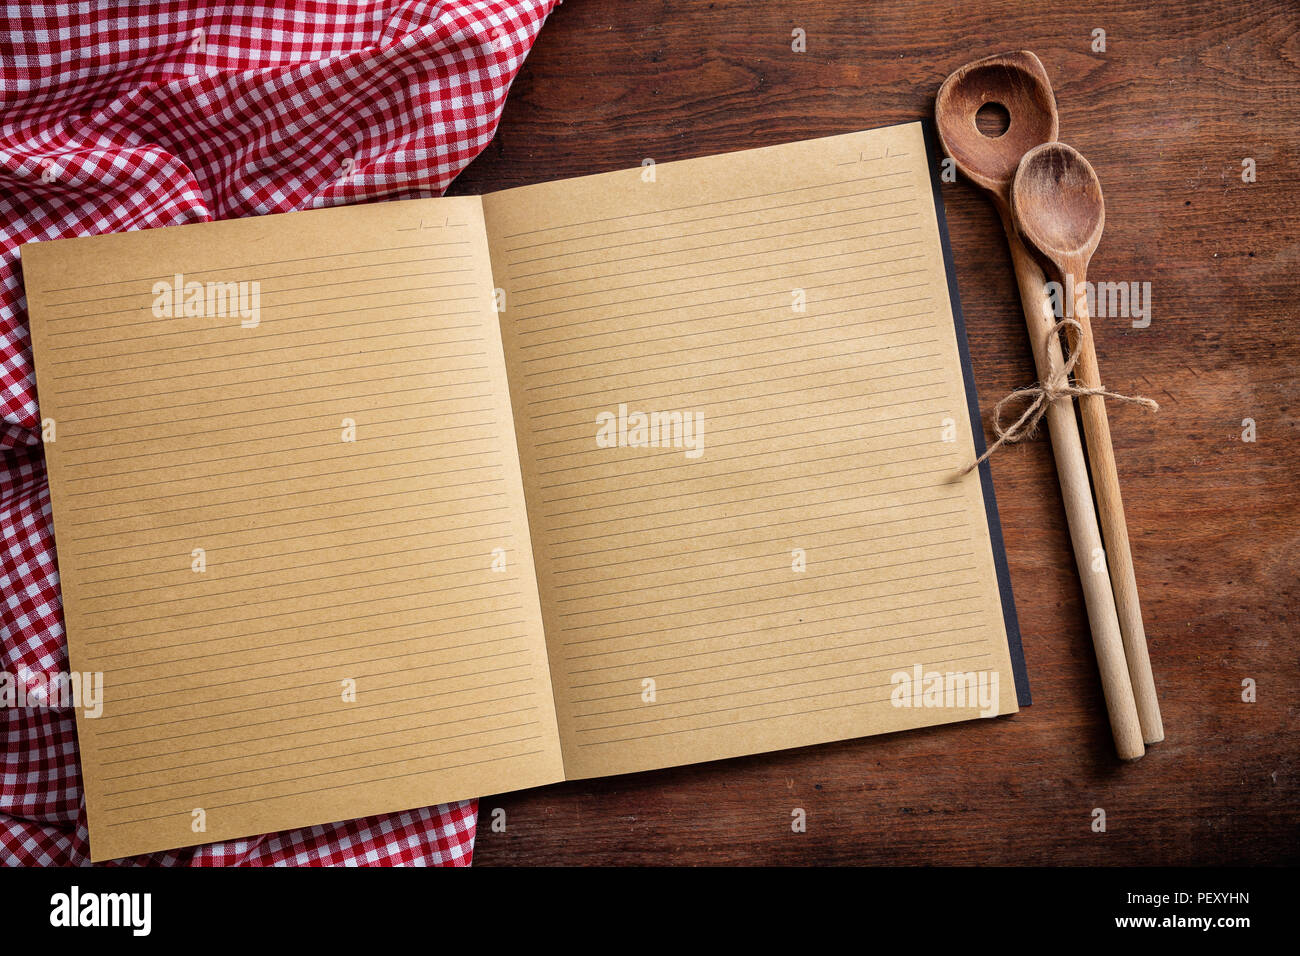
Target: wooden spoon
{"points": [[1057, 205], [1019, 84]]}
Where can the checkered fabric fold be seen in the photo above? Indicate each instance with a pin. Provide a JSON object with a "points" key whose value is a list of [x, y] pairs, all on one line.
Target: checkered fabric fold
{"points": [[124, 115]]}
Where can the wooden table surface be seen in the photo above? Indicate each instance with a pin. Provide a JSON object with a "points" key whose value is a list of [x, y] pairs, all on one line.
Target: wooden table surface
{"points": [[1182, 94]]}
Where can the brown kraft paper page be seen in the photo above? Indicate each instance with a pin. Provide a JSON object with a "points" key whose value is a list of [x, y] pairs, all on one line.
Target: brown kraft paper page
{"points": [[758, 581], [290, 529]]}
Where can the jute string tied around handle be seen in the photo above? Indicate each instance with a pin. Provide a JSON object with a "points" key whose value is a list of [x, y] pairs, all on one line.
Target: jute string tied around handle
{"points": [[1041, 395]]}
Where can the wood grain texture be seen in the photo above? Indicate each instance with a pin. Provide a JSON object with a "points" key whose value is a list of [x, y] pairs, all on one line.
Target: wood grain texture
{"points": [[1184, 92]]}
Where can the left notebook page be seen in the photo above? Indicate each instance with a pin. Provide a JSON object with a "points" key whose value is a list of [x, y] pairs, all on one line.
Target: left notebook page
{"points": [[289, 521]]}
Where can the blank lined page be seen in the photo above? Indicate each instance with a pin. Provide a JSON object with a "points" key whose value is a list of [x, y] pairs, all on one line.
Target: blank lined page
{"points": [[740, 410], [290, 523]]}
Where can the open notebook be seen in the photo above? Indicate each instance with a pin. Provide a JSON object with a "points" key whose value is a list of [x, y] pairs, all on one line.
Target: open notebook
{"points": [[368, 508]]}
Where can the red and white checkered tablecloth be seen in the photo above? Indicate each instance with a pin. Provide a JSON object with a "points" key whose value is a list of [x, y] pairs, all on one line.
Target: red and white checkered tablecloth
{"points": [[127, 115]]}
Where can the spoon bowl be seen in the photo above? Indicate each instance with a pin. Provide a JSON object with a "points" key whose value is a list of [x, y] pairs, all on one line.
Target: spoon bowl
{"points": [[1018, 83], [1058, 205]]}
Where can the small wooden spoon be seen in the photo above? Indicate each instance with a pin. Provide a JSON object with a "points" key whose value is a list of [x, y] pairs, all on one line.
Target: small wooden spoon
{"points": [[1017, 82], [1058, 207]]}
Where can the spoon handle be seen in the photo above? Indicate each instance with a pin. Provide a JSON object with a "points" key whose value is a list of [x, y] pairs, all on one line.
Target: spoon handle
{"points": [[1076, 491], [1105, 476]]}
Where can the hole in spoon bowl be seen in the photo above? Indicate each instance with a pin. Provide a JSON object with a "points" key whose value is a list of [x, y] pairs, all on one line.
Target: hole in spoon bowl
{"points": [[993, 120]]}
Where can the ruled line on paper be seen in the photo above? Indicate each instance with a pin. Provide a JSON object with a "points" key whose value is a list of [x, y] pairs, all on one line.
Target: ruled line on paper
{"points": [[226, 697], [785, 283], [752, 572], [315, 416], [860, 581], [776, 494], [787, 463], [251, 265], [799, 636], [388, 539], [189, 376], [749, 542], [780, 350], [279, 305], [139, 635], [747, 327], [252, 514], [490, 423], [271, 797], [316, 493], [225, 734], [803, 654], [768, 296], [480, 614], [742, 707], [263, 278], [332, 666], [673, 699], [699, 260], [839, 603], [280, 750], [294, 597], [311, 319], [726, 387], [604, 250], [172, 362], [697, 205], [369, 526], [422, 623], [748, 427], [714, 231], [292, 715], [293, 763], [226, 579], [695, 522], [197, 748], [171, 421], [194, 463], [318, 773], [856, 585], [173, 480], [535, 329], [588, 480], [736, 723], [752, 395], [82, 419], [748, 271], [851, 469], [364, 601], [783, 318], [284, 524]]}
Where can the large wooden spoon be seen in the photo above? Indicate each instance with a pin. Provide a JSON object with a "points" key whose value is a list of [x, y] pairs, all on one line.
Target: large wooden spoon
{"points": [[1018, 83], [1057, 205]]}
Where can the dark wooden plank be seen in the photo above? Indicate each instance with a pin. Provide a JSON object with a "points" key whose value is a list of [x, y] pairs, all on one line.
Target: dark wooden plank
{"points": [[1183, 92]]}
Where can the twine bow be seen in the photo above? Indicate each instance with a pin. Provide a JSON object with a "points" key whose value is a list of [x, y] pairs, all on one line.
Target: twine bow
{"points": [[1042, 394]]}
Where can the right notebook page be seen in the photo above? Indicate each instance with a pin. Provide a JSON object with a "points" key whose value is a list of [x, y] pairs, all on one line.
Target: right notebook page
{"points": [[741, 415]]}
